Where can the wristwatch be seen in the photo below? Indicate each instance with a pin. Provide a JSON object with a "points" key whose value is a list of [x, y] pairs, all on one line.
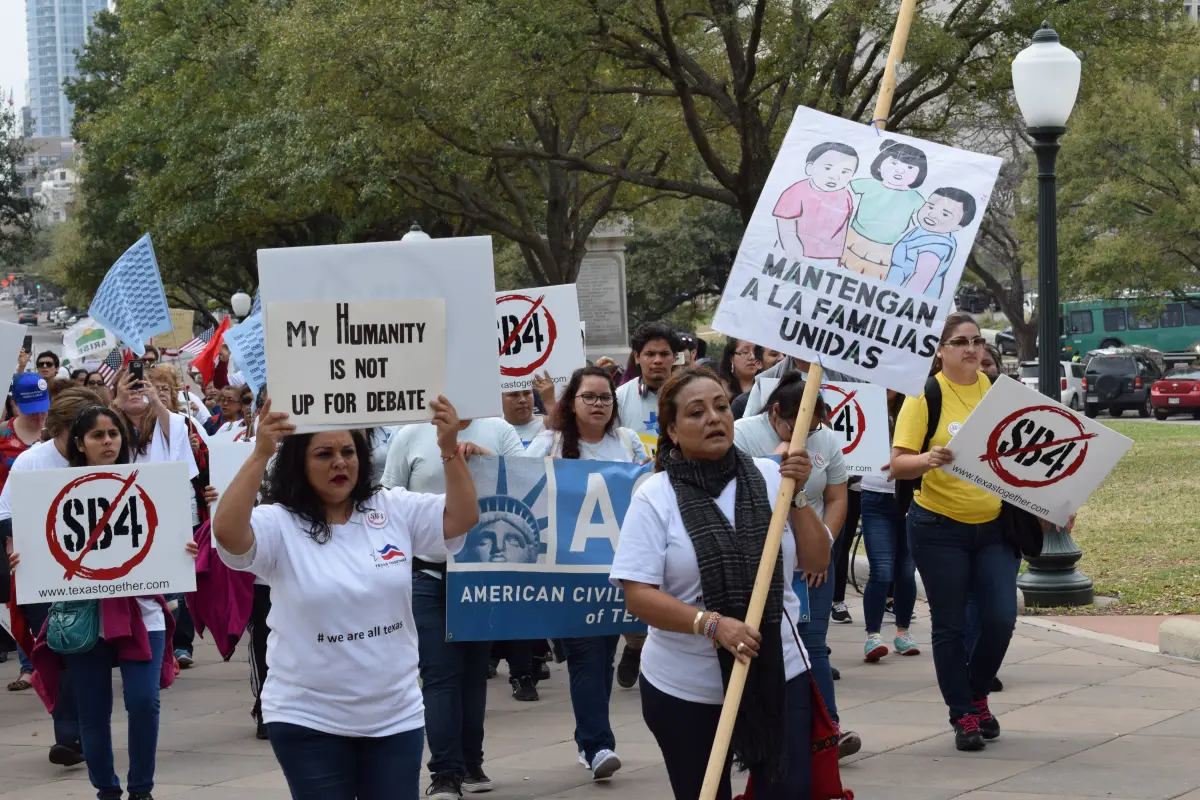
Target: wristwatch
{"points": [[799, 499]]}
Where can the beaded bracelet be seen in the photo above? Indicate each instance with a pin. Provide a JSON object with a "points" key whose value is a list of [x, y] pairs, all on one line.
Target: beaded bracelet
{"points": [[710, 627]]}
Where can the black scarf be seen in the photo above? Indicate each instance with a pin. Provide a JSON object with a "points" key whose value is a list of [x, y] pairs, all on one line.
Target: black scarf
{"points": [[728, 557]]}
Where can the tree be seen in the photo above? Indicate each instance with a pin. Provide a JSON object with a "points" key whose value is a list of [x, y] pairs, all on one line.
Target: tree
{"points": [[16, 210]]}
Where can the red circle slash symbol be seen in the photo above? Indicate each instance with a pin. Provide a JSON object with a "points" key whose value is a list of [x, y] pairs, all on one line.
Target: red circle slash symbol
{"points": [[1037, 446], [80, 522], [846, 417], [523, 334]]}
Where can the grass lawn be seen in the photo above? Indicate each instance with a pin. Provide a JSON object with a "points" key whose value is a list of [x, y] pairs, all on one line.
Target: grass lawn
{"points": [[1140, 531]]}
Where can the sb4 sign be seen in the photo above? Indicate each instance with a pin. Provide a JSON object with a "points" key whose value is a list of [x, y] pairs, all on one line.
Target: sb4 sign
{"points": [[538, 332], [80, 517], [857, 415], [513, 339]]}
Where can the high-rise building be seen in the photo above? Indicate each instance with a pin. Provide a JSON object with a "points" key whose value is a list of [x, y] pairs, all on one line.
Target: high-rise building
{"points": [[54, 30]]}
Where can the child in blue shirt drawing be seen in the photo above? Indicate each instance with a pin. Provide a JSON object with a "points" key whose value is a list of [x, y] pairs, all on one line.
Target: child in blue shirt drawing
{"points": [[922, 257]]}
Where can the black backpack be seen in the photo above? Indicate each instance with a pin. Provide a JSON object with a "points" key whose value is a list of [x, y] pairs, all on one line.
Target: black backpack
{"points": [[905, 488]]}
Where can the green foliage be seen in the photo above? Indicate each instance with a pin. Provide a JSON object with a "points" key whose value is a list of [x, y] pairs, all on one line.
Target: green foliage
{"points": [[16, 211]]}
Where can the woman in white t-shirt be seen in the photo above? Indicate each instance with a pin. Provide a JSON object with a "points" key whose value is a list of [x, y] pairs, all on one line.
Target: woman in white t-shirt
{"points": [[687, 559], [342, 702], [586, 427], [237, 410], [767, 433]]}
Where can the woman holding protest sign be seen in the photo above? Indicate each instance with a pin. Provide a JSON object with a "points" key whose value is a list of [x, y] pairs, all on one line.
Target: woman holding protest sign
{"points": [[133, 636], [334, 549], [689, 551], [586, 427], [958, 541], [768, 433]]}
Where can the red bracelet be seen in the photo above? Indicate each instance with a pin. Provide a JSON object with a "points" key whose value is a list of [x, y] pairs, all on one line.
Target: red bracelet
{"points": [[457, 450]]}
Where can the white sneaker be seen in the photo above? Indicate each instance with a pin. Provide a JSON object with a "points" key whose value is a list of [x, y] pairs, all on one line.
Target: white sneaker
{"points": [[605, 764]]}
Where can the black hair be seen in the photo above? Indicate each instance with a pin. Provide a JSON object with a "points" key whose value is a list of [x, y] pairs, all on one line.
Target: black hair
{"points": [[84, 422], [905, 154], [788, 394], [825, 147], [90, 374], [53, 356], [75, 373], [725, 369], [287, 483], [962, 198], [563, 418], [649, 331]]}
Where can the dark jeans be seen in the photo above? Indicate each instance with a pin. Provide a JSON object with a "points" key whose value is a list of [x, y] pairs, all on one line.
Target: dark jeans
{"points": [[813, 634], [93, 691], [519, 655], [590, 665], [685, 732], [972, 633], [956, 559], [843, 546], [453, 683], [886, 541], [259, 631], [322, 766], [185, 629], [66, 709]]}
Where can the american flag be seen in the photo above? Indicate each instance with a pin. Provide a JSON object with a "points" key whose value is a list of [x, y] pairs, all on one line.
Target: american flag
{"points": [[197, 344], [111, 365]]}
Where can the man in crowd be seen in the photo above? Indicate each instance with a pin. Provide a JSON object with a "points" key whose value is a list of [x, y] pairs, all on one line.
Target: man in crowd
{"points": [[47, 364], [518, 412], [453, 675]]}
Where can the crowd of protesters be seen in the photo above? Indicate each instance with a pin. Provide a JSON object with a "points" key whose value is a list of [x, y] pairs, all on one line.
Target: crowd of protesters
{"points": [[287, 537]]}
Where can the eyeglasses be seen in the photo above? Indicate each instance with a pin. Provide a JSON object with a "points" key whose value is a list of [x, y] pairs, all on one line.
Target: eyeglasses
{"points": [[743, 353], [963, 341], [99, 382], [596, 399], [47, 364]]}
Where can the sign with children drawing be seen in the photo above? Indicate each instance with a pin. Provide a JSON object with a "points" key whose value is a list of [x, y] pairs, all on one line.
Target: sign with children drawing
{"points": [[855, 249]]}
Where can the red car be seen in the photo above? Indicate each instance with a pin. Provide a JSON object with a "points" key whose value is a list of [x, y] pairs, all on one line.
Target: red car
{"points": [[1177, 392]]}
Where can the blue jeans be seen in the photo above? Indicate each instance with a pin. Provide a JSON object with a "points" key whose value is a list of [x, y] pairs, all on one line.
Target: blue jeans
{"points": [[26, 664], [957, 559], [92, 681], [972, 632], [590, 665], [453, 683], [887, 549], [322, 766], [814, 632]]}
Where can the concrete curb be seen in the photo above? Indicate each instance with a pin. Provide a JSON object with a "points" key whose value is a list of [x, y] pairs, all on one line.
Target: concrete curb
{"points": [[1180, 637]]}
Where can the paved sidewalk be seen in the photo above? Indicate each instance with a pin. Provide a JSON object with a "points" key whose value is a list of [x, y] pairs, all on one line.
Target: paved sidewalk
{"points": [[1081, 718]]}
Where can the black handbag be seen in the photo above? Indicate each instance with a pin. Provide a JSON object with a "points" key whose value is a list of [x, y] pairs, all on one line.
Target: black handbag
{"points": [[1022, 530]]}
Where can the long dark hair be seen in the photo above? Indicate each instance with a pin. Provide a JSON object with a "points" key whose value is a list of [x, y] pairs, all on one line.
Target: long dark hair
{"points": [[84, 422], [563, 418], [680, 378], [287, 484], [952, 322], [725, 369], [788, 394]]}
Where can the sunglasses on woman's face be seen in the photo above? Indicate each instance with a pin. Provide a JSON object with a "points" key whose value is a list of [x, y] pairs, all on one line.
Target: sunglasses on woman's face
{"points": [[98, 382], [963, 341]]}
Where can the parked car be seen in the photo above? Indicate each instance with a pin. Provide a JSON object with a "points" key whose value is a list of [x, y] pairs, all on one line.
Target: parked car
{"points": [[1177, 392], [1119, 378], [27, 316], [1006, 342], [1070, 377]]}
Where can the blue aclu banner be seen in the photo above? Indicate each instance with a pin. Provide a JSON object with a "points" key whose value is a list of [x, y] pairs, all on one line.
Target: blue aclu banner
{"points": [[131, 302], [536, 566]]}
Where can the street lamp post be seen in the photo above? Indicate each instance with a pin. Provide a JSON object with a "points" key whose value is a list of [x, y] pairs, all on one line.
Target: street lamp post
{"points": [[1046, 82], [240, 304]]}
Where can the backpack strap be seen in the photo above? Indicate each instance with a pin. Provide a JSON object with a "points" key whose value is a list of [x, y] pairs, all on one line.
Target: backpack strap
{"points": [[625, 440], [933, 403]]}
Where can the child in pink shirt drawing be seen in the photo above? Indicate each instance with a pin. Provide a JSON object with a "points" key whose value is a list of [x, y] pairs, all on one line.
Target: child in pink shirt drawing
{"points": [[813, 215]]}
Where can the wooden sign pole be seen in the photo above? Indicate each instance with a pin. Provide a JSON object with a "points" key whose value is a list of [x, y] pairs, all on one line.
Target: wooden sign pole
{"points": [[787, 488]]}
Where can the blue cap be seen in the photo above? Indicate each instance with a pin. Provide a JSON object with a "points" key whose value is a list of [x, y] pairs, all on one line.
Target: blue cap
{"points": [[31, 393]]}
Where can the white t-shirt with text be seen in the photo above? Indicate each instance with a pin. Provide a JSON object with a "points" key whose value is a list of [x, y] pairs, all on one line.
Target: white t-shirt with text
{"points": [[620, 445], [342, 651]]}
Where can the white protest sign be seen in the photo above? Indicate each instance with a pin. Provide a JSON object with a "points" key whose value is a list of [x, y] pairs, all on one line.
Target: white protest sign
{"points": [[855, 248], [87, 340], [359, 364], [457, 271], [538, 330], [12, 336], [97, 532], [225, 458], [1034, 452], [858, 417]]}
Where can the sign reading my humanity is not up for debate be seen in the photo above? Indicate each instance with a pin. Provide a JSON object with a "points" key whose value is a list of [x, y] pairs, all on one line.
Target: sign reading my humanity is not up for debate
{"points": [[1033, 451], [855, 249], [369, 334]]}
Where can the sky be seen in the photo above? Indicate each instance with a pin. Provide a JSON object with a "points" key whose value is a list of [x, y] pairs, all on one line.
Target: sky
{"points": [[14, 66]]}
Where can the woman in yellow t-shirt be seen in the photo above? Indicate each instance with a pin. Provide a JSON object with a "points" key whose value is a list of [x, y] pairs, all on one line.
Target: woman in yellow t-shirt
{"points": [[957, 539]]}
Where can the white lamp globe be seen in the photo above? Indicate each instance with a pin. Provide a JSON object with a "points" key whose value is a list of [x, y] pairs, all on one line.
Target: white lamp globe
{"points": [[1046, 80], [415, 234], [240, 303]]}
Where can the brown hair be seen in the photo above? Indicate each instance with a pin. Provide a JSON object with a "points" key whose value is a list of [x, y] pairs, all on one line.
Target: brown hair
{"points": [[66, 406], [165, 373], [680, 378], [952, 322]]}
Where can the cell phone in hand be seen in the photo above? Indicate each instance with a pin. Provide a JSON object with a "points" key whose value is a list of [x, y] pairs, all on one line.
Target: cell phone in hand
{"points": [[137, 369], [27, 345]]}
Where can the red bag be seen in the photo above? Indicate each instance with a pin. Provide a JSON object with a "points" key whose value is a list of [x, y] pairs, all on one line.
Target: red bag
{"points": [[826, 777]]}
